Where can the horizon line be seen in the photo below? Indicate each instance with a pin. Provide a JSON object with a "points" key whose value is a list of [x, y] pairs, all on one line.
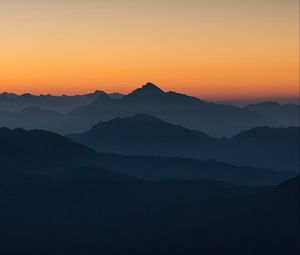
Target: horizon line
{"points": [[238, 100]]}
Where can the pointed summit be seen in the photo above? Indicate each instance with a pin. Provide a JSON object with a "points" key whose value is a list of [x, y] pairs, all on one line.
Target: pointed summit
{"points": [[147, 89]]}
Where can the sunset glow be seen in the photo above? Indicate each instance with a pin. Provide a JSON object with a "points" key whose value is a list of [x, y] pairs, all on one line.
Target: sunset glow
{"points": [[219, 49]]}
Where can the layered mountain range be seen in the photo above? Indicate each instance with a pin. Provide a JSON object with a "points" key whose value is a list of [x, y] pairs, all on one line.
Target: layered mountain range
{"points": [[63, 104], [142, 134], [151, 172], [55, 191], [42, 152], [85, 111]]}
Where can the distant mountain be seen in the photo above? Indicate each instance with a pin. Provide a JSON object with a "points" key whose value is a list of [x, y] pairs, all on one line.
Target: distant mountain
{"points": [[116, 95], [87, 110], [81, 112], [16, 103], [34, 118], [213, 119], [142, 134], [287, 114], [147, 90], [146, 183], [45, 152], [277, 148]]}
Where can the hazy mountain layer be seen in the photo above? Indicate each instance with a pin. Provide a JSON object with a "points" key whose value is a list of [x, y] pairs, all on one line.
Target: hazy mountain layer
{"points": [[275, 148], [211, 118], [287, 114], [44, 152], [62, 104]]}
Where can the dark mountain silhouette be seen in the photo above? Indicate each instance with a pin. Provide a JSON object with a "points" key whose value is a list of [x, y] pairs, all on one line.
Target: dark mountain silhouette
{"points": [[191, 112], [16, 103], [213, 119], [287, 114], [40, 149], [79, 113], [142, 134], [61, 197], [277, 148], [45, 152], [147, 90], [111, 213]]}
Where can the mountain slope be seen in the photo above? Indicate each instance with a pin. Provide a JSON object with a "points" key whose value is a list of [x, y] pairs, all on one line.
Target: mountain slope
{"points": [[39, 151], [142, 134], [34, 118], [102, 209], [287, 114]]}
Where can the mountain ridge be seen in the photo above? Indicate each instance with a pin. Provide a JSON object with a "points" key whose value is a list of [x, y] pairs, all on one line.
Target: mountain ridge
{"points": [[31, 155], [143, 134], [214, 119]]}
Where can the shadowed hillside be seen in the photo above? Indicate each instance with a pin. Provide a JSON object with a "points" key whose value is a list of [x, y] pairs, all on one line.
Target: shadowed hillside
{"points": [[110, 213], [287, 114], [45, 152], [142, 134]]}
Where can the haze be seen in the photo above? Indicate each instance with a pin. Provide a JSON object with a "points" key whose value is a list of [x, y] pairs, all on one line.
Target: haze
{"points": [[220, 49]]}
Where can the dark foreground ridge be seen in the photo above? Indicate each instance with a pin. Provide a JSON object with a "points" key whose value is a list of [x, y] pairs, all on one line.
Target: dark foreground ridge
{"points": [[112, 213]]}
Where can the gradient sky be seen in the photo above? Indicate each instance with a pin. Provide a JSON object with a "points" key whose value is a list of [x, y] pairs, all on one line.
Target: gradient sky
{"points": [[214, 49]]}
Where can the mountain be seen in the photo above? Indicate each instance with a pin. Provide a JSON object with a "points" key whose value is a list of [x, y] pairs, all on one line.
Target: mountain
{"points": [[79, 113], [147, 90], [37, 150], [277, 148], [142, 134], [213, 119], [90, 210], [34, 118], [116, 95], [45, 152], [16, 103], [287, 114], [61, 197]]}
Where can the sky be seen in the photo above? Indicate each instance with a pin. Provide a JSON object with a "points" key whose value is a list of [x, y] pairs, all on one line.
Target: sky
{"points": [[213, 49]]}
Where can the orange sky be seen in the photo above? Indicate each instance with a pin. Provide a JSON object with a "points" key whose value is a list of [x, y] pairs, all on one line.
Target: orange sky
{"points": [[217, 49]]}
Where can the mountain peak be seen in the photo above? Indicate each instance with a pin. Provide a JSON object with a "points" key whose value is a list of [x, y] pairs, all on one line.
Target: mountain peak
{"points": [[147, 89], [150, 85], [99, 92], [8, 95]]}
